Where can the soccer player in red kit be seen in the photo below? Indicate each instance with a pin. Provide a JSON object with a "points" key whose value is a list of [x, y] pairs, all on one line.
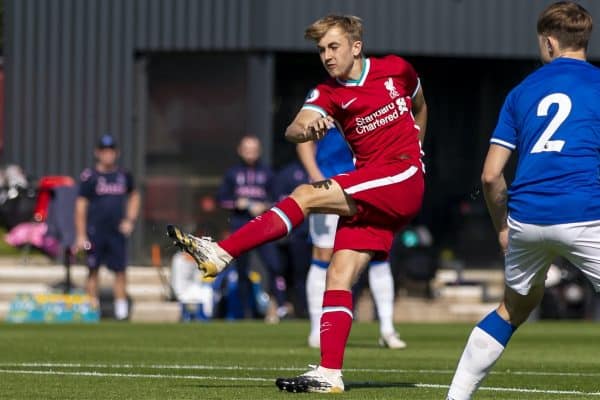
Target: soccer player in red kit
{"points": [[379, 106]]}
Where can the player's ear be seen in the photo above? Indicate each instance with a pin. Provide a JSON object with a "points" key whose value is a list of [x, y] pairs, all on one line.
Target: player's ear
{"points": [[356, 48], [549, 46]]}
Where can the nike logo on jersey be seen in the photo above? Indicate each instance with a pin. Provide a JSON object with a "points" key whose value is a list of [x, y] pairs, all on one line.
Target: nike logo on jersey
{"points": [[347, 104]]}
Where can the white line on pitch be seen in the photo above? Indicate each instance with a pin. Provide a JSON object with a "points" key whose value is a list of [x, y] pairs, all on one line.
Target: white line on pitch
{"points": [[249, 368], [225, 378], [117, 375]]}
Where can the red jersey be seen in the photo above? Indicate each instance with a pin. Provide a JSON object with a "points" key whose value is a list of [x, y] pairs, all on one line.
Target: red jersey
{"points": [[375, 111]]}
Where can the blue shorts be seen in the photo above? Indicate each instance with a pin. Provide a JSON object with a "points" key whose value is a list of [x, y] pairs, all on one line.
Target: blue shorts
{"points": [[109, 249]]}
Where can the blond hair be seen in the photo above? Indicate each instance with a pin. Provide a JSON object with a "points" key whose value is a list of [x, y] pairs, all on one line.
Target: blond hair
{"points": [[568, 22], [350, 24]]}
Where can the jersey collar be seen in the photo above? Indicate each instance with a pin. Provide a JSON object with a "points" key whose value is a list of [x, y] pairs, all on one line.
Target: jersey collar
{"points": [[363, 76]]}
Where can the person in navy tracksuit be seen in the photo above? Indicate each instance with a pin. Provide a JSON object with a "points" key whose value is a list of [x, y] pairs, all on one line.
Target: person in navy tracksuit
{"points": [[106, 209], [246, 190]]}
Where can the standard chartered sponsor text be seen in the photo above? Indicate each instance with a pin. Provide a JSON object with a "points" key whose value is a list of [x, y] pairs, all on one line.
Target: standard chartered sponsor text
{"points": [[380, 117]]}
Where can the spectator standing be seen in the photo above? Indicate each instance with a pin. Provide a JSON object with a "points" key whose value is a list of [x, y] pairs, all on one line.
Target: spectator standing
{"points": [[247, 191], [106, 210]]}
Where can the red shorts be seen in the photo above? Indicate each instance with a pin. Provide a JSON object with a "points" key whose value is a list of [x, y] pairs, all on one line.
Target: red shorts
{"points": [[387, 197]]}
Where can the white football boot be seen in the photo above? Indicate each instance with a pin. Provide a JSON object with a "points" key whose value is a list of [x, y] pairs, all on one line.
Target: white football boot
{"points": [[209, 256], [392, 341], [316, 380]]}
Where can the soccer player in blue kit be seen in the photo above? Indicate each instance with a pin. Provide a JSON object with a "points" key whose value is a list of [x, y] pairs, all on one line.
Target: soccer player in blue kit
{"points": [[105, 213], [323, 159], [552, 208]]}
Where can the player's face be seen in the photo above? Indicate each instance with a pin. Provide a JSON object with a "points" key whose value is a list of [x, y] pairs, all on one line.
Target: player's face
{"points": [[107, 157], [249, 150], [338, 53]]}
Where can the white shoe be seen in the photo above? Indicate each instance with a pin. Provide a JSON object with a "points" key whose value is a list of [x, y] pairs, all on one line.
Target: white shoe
{"points": [[209, 256], [317, 380], [314, 341], [392, 341]]}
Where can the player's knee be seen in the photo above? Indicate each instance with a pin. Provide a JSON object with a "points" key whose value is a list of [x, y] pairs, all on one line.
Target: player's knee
{"points": [[322, 254], [518, 307], [303, 194], [339, 278]]}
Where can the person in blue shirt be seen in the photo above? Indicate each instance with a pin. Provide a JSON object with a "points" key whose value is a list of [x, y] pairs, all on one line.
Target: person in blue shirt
{"points": [[247, 191], [552, 119], [326, 158], [106, 210]]}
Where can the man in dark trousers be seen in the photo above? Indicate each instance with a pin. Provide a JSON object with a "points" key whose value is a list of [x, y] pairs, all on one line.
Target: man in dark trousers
{"points": [[247, 191]]}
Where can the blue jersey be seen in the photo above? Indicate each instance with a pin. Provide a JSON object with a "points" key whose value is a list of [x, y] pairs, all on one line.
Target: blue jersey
{"points": [[553, 120], [333, 154]]}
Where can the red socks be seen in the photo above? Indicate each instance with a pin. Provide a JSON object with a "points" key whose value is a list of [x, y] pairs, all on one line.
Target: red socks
{"points": [[336, 322], [273, 224]]}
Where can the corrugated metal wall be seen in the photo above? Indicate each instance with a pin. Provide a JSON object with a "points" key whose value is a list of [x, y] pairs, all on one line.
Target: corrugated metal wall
{"points": [[69, 69], [488, 28], [70, 63]]}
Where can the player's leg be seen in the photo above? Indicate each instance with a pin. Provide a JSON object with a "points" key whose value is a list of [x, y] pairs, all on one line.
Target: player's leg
{"points": [[336, 321], [91, 284], [583, 248], [120, 293], [277, 285], [116, 261], [315, 288], [381, 283], [238, 301], [300, 252], [322, 232], [489, 339], [94, 257], [527, 262], [385, 199], [212, 258]]}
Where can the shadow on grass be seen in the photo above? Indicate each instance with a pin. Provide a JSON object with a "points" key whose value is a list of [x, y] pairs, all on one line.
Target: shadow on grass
{"points": [[233, 385], [349, 385]]}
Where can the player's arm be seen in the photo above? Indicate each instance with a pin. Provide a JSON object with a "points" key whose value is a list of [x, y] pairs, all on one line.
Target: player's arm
{"points": [[131, 213], [81, 239], [133, 206], [306, 153], [308, 125], [419, 109], [495, 189]]}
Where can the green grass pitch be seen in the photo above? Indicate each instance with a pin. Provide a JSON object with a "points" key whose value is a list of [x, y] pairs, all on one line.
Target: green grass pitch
{"points": [[221, 360]]}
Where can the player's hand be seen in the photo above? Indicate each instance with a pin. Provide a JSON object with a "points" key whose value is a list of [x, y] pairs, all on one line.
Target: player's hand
{"points": [[256, 208], [503, 240], [81, 243], [126, 227], [242, 203], [316, 129]]}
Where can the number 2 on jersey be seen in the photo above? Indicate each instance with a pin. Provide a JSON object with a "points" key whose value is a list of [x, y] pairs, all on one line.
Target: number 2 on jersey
{"points": [[564, 108]]}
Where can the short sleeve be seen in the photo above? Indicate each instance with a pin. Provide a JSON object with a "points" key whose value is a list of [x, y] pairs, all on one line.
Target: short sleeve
{"points": [[505, 133], [320, 99], [86, 183], [410, 77], [406, 74]]}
